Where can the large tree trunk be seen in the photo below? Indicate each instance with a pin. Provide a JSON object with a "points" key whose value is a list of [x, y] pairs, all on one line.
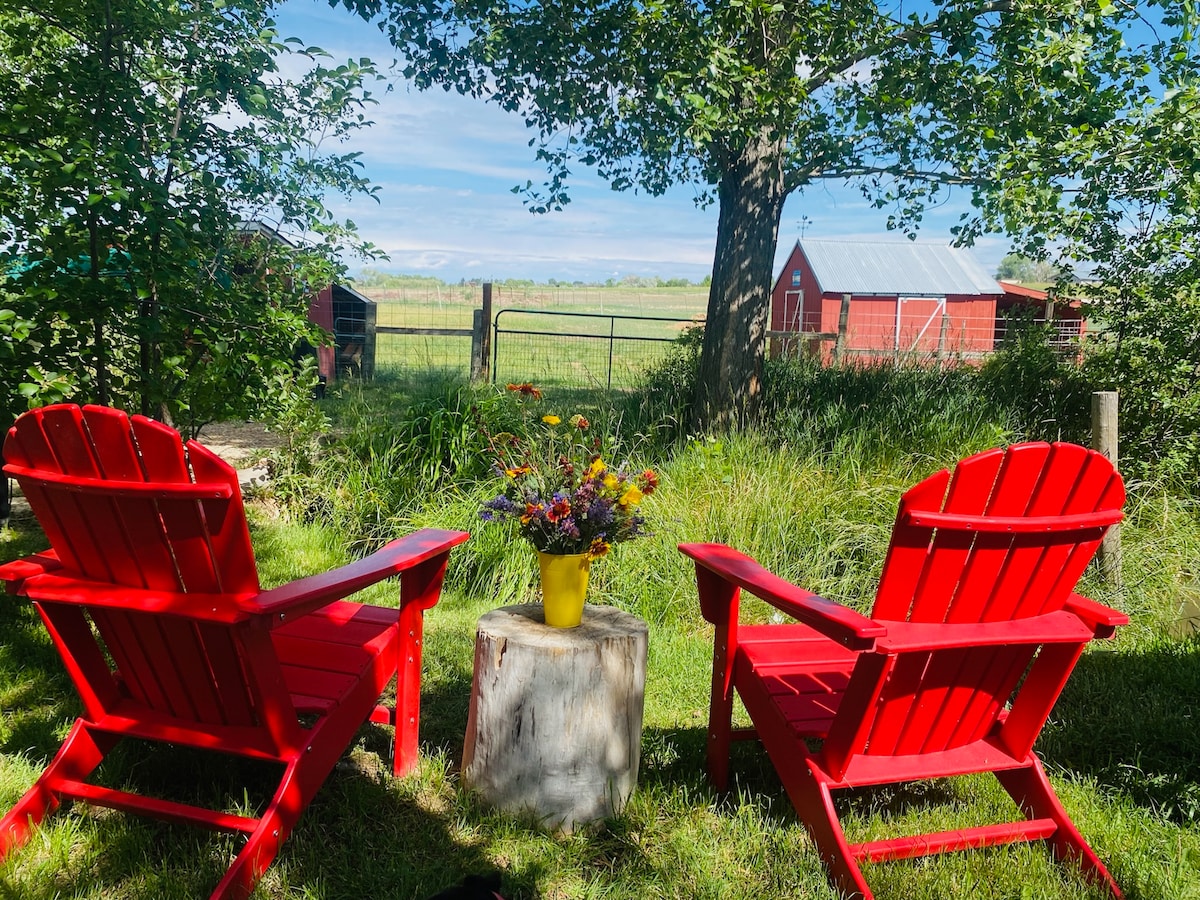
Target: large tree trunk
{"points": [[751, 194]]}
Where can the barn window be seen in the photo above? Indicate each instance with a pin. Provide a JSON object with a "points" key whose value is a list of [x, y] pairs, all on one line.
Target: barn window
{"points": [[795, 278]]}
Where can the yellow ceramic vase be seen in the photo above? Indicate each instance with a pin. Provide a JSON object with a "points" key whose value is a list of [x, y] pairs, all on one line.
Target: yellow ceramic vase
{"points": [[564, 586]]}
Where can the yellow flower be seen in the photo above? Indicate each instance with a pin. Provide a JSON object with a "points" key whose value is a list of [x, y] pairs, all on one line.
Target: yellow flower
{"points": [[611, 481], [632, 496], [596, 467], [551, 420], [599, 548], [518, 471]]}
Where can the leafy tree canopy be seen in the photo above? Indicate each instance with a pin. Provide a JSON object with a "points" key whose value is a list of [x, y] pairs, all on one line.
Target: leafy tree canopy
{"points": [[1015, 267], [135, 140], [749, 100]]}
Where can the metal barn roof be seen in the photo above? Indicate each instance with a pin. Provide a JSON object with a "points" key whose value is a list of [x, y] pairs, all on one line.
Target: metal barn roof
{"points": [[895, 268]]}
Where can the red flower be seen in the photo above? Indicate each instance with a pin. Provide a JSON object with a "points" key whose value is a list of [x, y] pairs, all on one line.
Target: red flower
{"points": [[647, 481], [559, 509]]}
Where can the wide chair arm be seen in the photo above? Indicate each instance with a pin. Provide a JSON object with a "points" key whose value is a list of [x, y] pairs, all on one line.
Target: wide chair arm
{"points": [[394, 558], [837, 622], [1103, 620]]}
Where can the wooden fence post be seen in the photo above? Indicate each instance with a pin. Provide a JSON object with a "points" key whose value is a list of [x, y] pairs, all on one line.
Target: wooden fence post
{"points": [[481, 337], [1104, 440], [839, 347]]}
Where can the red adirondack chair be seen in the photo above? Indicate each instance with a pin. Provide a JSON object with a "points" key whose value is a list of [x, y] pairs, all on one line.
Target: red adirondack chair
{"points": [[975, 630], [150, 593]]}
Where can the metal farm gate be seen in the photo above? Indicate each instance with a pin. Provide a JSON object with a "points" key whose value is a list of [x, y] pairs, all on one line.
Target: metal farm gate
{"points": [[592, 349]]}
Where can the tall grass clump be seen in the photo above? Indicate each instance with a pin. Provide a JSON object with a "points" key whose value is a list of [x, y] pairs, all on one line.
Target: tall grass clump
{"points": [[1042, 393], [881, 413]]}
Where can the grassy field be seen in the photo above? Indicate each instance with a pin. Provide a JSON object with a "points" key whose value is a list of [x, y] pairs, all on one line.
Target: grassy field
{"points": [[587, 347], [814, 500]]}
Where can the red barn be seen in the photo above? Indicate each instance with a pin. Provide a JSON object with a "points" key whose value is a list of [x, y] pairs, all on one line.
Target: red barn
{"points": [[884, 300]]}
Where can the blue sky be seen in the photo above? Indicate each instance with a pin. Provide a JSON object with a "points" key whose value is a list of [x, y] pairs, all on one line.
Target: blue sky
{"points": [[446, 166]]}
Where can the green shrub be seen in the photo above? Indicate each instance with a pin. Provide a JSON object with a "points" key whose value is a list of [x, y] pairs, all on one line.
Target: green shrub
{"points": [[1042, 394]]}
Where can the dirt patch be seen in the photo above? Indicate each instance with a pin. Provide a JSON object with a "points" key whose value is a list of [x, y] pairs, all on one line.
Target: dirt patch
{"points": [[238, 442]]}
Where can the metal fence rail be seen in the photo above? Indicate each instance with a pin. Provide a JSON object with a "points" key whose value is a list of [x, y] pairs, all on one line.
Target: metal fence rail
{"points": [[579, 348]]}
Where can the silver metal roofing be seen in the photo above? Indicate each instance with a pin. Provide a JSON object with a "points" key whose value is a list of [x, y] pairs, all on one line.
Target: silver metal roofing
{"points": [[895, 268]]}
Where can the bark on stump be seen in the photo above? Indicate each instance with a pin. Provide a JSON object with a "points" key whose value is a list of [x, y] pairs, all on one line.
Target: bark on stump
{"points": [[555, 723]]}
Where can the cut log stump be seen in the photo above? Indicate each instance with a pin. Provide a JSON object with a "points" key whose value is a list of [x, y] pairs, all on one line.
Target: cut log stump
{"points": [[554, 729]]}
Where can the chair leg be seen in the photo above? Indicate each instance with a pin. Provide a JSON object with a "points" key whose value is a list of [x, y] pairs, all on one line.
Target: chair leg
{"points": [[720, 706], [408, 689], [77, 758], [813, 800], [1031, 790], [720, 726], [264, 842]]}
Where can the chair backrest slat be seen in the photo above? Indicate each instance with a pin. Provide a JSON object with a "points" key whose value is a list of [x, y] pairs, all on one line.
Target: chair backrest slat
{"points": [[950, 574]]}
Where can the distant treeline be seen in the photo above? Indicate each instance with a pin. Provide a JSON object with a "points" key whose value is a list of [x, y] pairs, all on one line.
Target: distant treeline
{"points": [[373, 278]]}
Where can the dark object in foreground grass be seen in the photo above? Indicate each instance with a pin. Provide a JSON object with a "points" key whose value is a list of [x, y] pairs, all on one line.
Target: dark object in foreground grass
{"points": [[975, 630], [152, 597], [473, 887]]}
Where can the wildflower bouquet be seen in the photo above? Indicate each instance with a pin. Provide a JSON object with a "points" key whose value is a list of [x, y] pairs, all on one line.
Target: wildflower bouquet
{"points": [[556, 485]]}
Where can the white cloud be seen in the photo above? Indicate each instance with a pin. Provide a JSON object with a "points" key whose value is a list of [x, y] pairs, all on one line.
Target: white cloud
{"points": [[446, 166]]}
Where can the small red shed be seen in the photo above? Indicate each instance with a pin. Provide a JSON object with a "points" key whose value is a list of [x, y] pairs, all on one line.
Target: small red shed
{"points": [[340, 310], [883, 300]]}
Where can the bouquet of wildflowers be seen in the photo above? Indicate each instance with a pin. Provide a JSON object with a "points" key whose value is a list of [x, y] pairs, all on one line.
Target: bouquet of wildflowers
{"points": [[559, 490]]}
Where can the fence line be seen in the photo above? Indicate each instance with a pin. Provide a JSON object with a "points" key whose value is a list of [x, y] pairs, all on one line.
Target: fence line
{"points": [[550, 353]]}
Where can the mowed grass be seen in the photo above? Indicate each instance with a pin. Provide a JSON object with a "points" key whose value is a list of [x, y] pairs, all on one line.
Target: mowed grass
{"points": [[1122, 747]]}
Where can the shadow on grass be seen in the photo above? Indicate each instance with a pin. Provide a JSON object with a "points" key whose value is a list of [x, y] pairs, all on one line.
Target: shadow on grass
{"points": [[1131, 720]]}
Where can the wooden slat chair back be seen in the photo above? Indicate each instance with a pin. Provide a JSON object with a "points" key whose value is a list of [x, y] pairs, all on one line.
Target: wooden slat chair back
{"points": [[151, 595], [973, 635], [120, 507]]}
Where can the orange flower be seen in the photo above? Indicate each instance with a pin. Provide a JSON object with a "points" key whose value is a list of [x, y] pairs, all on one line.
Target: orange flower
{"points": [[599, 548], [527, 389]]}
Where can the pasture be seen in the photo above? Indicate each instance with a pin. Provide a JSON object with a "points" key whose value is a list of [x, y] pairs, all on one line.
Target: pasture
{"points": [[589, 335]]}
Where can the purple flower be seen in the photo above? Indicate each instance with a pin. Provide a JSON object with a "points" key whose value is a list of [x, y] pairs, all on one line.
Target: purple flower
{"points": [[600, 513], [500, 504]]}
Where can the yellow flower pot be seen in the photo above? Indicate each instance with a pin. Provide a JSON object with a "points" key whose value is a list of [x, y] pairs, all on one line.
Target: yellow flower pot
{"points": [[564, 586]]}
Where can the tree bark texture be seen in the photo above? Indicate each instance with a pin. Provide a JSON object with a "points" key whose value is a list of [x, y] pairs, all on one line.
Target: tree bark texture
{"points": [[554, 729], [751, 195]]}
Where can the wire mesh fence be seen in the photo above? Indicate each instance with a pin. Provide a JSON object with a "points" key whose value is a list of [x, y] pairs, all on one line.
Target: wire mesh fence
{"points": [[931, 335], [608, 336]]}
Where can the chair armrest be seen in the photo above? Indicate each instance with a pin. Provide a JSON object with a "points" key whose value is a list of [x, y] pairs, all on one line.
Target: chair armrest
{"points": [[837, 622], [1102, 619], [15, 572], [1061, 627], [314, 591]]}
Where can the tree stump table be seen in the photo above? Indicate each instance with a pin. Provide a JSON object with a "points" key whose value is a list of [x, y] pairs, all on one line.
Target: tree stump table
{"points": [[555, 723]]}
